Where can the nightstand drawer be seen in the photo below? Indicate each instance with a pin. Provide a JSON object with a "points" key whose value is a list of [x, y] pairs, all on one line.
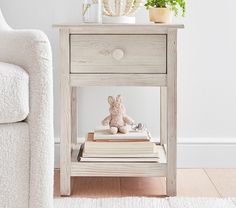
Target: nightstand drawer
{"points": [[118, 53]]}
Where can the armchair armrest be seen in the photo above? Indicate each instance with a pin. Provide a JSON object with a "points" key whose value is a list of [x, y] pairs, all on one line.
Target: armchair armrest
{"points": [[31, 50]]}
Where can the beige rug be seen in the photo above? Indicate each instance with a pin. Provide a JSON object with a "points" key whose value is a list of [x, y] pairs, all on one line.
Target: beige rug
{"points": [[143, 202]]}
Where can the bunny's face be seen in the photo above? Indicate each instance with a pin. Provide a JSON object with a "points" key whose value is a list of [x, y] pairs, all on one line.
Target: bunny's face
{"points": [[116, 106]]}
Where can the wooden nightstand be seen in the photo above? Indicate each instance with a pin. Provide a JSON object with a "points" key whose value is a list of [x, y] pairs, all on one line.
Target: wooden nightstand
{"points": [[118, 55]]}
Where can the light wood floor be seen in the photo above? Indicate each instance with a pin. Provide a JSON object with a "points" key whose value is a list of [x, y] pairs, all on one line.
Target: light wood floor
{"points": [[190, 183]]}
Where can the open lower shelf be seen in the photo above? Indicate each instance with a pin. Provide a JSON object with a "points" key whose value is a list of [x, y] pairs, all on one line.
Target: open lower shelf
{"points": [[126, 169]]}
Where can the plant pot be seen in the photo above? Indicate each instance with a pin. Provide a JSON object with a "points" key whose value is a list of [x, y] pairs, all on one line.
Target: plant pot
{"points": [[160, 15]]}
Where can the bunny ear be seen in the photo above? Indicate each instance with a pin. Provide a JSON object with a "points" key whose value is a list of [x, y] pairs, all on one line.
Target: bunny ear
{"points": [[111, 100], [119, 99]]}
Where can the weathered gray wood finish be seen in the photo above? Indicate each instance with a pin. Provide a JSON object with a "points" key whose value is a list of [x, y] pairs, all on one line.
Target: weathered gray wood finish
{"points": [[117, 53], [65, 140], [171, 112], [104, 55], [83, 80]]}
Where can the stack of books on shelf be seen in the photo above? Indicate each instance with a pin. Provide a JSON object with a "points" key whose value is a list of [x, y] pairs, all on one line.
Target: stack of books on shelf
{"points": [[100, 146]]}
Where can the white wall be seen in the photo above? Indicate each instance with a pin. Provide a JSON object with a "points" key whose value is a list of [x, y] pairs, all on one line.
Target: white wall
{"points": [[206, 76]]}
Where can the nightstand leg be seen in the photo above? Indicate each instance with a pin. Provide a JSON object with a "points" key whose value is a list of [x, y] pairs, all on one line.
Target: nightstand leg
{"points": [[65, 143], [163, 115], [74, 115], [65, 140], [171, 141], [171, 112]]}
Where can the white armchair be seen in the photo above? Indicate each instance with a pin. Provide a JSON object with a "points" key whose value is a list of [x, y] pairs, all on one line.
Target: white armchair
{"points": [[26, 119]]}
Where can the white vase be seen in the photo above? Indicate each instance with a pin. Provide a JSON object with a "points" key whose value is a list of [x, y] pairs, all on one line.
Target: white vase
{"points": [[120, 11], [118, 20]]}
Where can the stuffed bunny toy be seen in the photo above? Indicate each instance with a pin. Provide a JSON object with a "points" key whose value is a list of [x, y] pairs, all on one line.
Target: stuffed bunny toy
{"points": [[117, 120]]}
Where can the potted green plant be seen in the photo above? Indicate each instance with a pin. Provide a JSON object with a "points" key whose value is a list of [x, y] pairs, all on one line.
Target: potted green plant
{"points": [[160, 11]]}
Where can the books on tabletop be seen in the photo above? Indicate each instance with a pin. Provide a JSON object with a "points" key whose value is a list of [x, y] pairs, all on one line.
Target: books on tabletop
{"points": [[109, 149], [135, 136]]}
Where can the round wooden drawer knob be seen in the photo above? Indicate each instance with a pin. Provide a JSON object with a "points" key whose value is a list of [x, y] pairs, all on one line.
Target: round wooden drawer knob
{"points": [[118, 54]]}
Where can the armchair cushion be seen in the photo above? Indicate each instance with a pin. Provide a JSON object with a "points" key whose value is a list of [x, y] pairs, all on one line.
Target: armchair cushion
{"points": [[14, 93], [14, 165]]}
